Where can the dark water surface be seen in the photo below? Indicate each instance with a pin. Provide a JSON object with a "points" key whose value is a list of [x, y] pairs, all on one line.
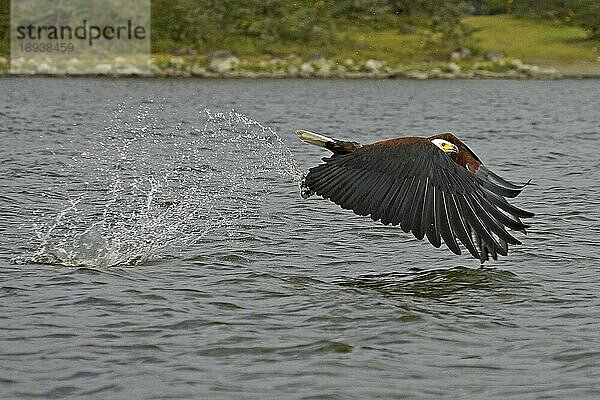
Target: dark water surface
{"points": [[154, 245]]}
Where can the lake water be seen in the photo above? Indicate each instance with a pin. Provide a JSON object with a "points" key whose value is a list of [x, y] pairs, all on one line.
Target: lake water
{"points": [[154, 244]]}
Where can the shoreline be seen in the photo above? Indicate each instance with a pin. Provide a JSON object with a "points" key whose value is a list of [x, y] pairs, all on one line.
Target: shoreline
{"points": [[347, 76], [223, 65]]}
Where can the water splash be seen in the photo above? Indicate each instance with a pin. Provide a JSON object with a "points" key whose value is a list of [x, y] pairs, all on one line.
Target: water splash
{"points": [[145, 189]]}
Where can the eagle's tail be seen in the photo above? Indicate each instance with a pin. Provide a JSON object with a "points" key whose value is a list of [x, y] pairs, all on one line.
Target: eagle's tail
{"points": [[333, 145], [314, 138]]}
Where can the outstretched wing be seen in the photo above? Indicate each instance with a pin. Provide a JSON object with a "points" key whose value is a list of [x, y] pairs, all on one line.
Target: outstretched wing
{"points": [[414, 184]]}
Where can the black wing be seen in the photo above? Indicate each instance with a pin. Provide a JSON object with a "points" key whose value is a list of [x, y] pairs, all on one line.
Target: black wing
{"points": [[418, 187]]}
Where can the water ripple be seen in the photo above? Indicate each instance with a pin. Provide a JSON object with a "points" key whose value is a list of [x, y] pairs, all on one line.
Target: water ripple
{"points": [[436, 283]]}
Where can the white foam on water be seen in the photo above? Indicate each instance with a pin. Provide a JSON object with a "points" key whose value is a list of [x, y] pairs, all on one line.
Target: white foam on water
{"points": [[145, 189]]}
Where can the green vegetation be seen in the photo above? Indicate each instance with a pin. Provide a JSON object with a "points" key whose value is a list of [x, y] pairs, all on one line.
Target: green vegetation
{"points": [[533, 40], [583, 13], [4, 26], [397, 31], [330, 28], [413, 33]]}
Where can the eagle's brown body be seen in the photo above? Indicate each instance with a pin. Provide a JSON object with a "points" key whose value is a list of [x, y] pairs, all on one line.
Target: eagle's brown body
{"points": [[427, 186], [464, 157]]}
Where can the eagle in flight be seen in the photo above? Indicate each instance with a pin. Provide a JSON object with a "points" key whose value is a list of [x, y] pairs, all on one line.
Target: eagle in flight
{"points": [[431, 186]]}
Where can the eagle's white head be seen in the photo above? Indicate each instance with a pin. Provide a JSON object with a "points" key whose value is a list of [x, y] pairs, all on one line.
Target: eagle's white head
{"points": [[445, 145]]}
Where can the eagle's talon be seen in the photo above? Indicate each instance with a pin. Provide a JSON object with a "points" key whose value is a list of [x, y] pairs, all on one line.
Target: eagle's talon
{"points": [[305, 191]]}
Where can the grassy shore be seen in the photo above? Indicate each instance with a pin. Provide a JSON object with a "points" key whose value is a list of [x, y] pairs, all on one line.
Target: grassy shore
{"points": [[378, 51], [538, 42], [534, 41]]}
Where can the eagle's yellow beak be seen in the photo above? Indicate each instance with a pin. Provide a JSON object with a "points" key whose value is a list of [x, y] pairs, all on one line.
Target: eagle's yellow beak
{"points": [[451, 148], [445, 145]]}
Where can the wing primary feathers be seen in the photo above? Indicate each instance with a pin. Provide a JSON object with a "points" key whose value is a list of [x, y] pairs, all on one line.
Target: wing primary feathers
{"points": [[485, 250], [359, 200], [488, 174], [509, 208], [511, 223], [324, 171], [393, 210], [455, 185], [478, 226], [461, 228], [504, 246], [326, 178], [439, 181], [443, 220], [417, 209], [502, 191], [412, 166], [385, 209], [378, 197], [338, 185], [493, 219], [389, 208], [332, 187], [351, 189], [429, 223], [372, 184], [402, 214], [489, 222], [476, 239]]}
